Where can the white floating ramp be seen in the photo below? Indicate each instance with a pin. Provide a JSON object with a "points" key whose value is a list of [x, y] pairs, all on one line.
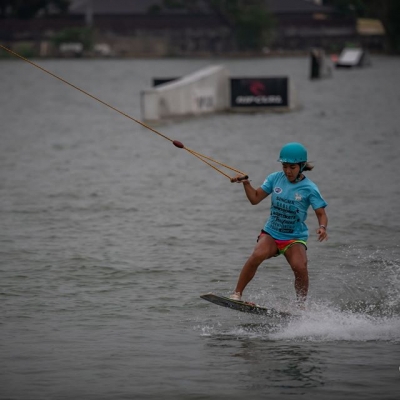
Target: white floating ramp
{"points": [[353, 57], [202, 92]]}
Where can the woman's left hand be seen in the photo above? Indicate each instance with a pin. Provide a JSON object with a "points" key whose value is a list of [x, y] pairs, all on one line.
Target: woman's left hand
{"points": [[322, 234]]}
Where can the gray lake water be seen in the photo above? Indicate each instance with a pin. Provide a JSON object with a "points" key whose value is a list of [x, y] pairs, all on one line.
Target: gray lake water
{"points": [[110, 234]]}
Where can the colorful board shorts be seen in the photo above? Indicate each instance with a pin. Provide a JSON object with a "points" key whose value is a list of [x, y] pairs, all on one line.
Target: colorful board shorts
{"points": [[283, 245]]}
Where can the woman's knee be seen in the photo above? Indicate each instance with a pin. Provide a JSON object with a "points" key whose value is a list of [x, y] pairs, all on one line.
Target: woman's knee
{"points": [[299, 268], [257, 257]]}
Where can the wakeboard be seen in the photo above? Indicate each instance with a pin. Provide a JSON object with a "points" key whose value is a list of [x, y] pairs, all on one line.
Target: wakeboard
{"points": [[245, 306]]}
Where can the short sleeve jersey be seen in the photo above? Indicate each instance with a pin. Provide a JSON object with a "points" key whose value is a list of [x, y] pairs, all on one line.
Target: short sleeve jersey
{"points": [[289, 205]]}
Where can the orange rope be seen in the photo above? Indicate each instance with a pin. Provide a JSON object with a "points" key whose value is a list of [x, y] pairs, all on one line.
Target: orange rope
{"points": [[175, 142]]}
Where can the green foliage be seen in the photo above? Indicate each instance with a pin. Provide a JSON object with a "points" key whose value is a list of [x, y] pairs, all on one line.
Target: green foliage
{"points": [[173, 4], [253, 28], [390, 16], [250, 20], [25, 50], [75, 35], [154, 9], [24, 9], [349, 7]]}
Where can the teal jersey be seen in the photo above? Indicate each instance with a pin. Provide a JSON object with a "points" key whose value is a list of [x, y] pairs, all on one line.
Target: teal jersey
{"points": [[289, 205]]}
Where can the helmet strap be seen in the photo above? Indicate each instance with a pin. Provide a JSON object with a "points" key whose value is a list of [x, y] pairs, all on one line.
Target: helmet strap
{"points": [[302, 165]]}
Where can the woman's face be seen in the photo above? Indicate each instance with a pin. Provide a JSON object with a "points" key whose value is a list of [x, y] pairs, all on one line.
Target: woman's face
{"points": [[291, 171]]}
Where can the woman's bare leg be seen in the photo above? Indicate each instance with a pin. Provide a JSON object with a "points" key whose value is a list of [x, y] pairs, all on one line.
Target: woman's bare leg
{"points": [[264, 249], [296, 256]]}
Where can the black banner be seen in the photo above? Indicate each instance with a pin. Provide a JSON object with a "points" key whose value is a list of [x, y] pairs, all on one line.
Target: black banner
{"points": [[259, 92]]}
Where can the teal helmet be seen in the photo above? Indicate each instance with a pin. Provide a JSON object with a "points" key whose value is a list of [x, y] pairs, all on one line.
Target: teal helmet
{"points": [[293, 153]]}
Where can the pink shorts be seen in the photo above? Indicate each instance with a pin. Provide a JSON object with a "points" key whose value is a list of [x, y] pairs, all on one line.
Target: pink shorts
{"points": [[283, 245]]}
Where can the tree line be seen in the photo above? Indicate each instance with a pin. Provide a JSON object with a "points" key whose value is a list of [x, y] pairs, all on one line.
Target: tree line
{"points": [[251, 20]]}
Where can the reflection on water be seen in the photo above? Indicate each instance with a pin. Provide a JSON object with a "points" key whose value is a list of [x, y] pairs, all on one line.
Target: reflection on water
{"points": [[264, 364], [283, 365]]}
